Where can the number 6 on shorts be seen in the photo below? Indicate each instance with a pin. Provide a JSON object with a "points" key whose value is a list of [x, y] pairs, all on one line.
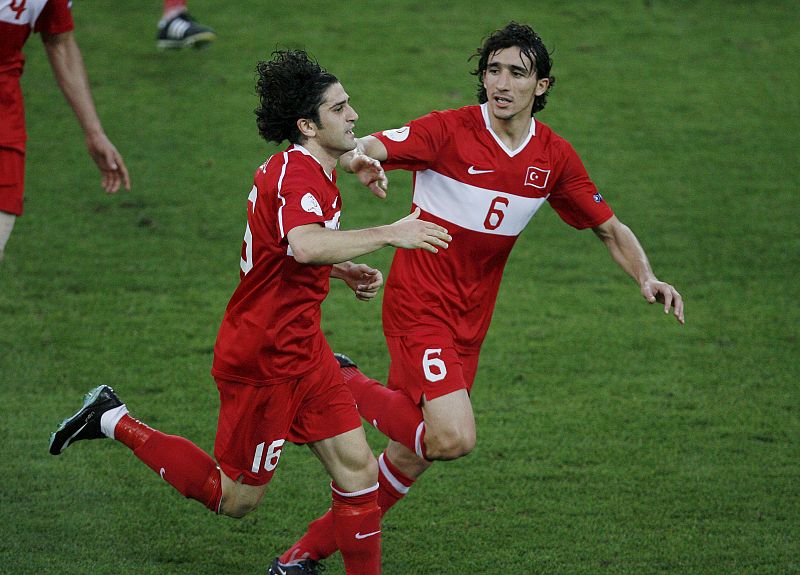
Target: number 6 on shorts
{"points": [[434, 367]]}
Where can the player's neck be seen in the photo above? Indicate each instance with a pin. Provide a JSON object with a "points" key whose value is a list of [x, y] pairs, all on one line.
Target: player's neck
{"points": [[511, 131], [326, 158]]}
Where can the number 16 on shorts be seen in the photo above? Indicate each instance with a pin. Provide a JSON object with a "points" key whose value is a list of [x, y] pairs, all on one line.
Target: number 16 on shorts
{"points": [[272, 456]]}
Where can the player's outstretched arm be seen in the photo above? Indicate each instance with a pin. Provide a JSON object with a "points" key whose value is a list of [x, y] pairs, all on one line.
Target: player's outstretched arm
{"points": [[626, 250], [314, 244], [67, 63], [364, 280]]}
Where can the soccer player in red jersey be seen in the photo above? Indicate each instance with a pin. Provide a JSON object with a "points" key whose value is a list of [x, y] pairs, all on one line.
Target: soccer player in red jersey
{"points": [[277, 377], [482, 171], [53, 20]]}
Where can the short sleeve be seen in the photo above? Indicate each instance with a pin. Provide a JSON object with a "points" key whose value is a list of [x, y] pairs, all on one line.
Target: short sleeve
{"points": [[575, 197], [300, 203], [56, 18], [415, 146]]}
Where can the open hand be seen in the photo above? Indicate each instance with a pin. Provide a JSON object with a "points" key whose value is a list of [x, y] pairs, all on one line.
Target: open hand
{"points": [[370, 173], [110, 163], [414, 233], [657, 291]]}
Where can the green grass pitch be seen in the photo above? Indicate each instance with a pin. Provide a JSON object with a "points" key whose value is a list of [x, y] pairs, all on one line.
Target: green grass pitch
{"points": [[611, 440]]}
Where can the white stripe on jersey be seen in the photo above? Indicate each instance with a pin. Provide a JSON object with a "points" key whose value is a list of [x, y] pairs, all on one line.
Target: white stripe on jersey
{"points": [[282, 199], [470, 206], [26, 17]]}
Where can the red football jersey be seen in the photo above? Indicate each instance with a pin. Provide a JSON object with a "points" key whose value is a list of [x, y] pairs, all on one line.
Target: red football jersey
{"points": [[467, 180], [17, 19], [271, 328]]}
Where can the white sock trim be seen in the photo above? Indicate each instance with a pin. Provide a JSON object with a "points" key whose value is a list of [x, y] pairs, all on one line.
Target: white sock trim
{"points": [[417, 442], [354, 493], [393, 481], [110, 419], [170, 14]]}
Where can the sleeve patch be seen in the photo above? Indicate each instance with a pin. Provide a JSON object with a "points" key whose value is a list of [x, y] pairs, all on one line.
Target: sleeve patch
{"points": [[310, 204]]}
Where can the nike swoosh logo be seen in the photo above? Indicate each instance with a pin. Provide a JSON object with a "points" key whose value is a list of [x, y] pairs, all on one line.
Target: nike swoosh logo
{"points": [[71, 437], [365, 535], [473, 171]]}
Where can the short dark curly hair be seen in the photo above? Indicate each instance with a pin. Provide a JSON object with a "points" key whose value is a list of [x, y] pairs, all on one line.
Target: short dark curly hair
{"points": [[515, 35], [290, 86]]}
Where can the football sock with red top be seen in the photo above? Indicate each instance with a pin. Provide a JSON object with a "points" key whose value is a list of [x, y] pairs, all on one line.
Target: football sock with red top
{"points": [[319, 541], [391, 412], [173, 7], [178, 461], [357, 529], [393, 484]]}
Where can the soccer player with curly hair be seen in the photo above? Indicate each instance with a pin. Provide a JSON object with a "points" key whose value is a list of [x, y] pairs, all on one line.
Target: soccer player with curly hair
{"points": [[277, 377]]}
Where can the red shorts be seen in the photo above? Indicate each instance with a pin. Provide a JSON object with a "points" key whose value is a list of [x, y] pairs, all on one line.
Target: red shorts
{"points": [[255, 421], [12, 179], [429, 365]]}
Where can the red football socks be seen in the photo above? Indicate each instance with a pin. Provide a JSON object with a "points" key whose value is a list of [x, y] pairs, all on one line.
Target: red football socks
{"points": [[319, 541], [393, 485], [178, 461], [173, 6], [357, 530], [391, 412]]}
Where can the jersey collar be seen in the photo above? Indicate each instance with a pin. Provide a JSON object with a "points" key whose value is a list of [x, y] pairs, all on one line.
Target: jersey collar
{"points": [[303, 150], [506, 149]]}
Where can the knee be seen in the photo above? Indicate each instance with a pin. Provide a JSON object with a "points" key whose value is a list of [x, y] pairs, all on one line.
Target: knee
{"points": [[365, 473], [449, 444], [237, 502], [235, 509]]}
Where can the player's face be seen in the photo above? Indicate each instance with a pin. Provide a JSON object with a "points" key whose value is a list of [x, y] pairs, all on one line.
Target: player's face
{"points": [[511, 84], [337, 119]]}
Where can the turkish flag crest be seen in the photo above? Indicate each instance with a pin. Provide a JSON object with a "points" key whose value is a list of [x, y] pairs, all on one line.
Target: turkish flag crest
{"points": [[537, 177]]}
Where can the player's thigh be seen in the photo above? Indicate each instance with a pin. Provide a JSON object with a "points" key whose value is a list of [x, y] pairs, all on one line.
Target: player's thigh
{"points": [[425, 365], [348, 459], [328, 408], [451, 416], [252, 428]]}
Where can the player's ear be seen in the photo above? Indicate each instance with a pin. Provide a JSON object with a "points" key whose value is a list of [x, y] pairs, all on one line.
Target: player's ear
{"points": [[542, 86], [307, 127]]}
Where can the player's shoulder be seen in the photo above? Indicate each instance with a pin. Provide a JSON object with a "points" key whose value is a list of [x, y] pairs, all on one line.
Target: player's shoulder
{"points": [[550, 138], [466, 115], [290, 157]]}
